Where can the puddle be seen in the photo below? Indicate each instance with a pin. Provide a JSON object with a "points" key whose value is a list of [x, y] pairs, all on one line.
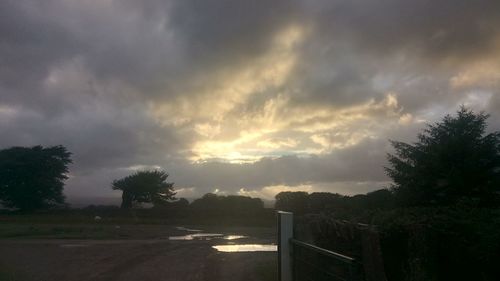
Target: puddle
{"points": [[198, 236], [234, 237], [205, 236], [246, 248], [188, 229], [202, 236]]}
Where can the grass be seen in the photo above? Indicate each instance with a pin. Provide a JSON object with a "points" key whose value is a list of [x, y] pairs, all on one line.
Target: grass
{"points": [[119, 225], [20, 231], [66, 226], [140, 216], [75, 218]]}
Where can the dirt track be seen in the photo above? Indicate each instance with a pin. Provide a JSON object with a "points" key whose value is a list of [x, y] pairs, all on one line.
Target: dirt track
{"points": [[128, 260], [147, 259]]}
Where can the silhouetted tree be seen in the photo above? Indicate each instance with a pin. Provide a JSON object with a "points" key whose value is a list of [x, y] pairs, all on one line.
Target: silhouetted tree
{"points": [[144, 187], [209, 202], [324, 201], [181, 203], [296, 202], [178, 205], [379, 199], [32, 178], [452, 160]]}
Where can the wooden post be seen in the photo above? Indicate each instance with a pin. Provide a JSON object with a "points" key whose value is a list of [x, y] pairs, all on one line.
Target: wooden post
{"points": [[285, 233]]}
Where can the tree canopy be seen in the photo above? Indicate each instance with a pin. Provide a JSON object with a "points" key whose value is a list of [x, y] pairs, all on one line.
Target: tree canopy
{"points": [[33, 177], [145, 187], [453, 160], [296, 202], [300, 202]]}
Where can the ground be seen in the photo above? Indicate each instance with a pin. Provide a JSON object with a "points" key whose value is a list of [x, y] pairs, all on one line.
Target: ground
{"points": [[44, 252]]}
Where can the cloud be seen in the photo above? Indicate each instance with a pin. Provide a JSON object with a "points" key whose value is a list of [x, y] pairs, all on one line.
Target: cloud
{"points": [[436, 31], [358, 163], [249, 97]]}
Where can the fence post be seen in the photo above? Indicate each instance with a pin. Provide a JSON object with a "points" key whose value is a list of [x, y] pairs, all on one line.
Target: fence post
{"points": [[285, 233]]}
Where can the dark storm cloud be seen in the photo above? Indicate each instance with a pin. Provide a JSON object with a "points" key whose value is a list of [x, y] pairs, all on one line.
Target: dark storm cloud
{"points": [[30, 44], [229, 30], [113, 41], [97, 139], [432, 29], [89, 48]]}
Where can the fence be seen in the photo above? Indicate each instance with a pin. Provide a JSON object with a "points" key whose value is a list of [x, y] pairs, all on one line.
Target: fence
{"points": [[300, 261]]}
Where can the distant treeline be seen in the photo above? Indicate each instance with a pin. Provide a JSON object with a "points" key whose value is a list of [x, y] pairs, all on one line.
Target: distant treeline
{"points": [[210, 208], [324, 202], [299, 202], [235, 208]]}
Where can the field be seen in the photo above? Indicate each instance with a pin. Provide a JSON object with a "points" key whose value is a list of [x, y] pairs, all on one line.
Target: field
{"points": [[49, 247]]}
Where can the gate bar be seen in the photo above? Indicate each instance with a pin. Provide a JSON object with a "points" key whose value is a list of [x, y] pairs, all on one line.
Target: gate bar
{"points": [[322, 251]]}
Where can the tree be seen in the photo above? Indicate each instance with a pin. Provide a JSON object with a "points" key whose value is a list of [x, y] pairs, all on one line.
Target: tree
{"points": [[324, 201], [453, 160], [145, 187], [292, 201], [32, 178], [379, 199]]}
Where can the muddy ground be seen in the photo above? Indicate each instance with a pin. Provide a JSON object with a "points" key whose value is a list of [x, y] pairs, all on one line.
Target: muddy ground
{"points": [[151, 258]]}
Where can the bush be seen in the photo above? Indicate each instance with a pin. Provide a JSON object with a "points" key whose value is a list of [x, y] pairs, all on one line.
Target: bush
{"points": [[442, 243]]}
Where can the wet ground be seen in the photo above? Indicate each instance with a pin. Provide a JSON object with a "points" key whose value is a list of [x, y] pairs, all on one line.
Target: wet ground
{"points": [[159, 258]]}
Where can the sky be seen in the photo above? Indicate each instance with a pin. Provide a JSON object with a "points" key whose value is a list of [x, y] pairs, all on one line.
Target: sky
{"points": [[240, 97]]}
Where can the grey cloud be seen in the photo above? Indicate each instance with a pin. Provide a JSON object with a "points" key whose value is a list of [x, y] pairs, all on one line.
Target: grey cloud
{"points": [[224, 31], [435, 29], [129, 55], [337, 77], [30, 45], [352, 42]]}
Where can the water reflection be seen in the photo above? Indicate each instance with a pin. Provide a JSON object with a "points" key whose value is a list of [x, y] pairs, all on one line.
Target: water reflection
{"points": [[188, 229], [246, 248], [206, 236], [199, 236], [234, 237]]}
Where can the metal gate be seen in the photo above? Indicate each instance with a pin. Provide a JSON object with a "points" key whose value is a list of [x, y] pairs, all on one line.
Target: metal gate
{"points": [[300, 261]]}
